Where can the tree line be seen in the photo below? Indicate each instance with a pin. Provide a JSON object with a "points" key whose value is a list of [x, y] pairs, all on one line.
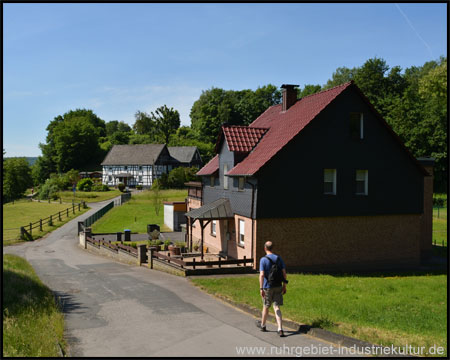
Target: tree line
{"points": [[413, 102]]}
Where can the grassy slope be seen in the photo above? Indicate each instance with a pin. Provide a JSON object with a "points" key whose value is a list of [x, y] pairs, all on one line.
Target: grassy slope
{"points": [[33, 324], [92, 196], [137, 213], [398, 309], [23, 212]]}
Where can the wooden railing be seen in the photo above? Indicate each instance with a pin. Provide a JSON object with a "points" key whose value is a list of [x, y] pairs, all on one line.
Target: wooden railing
{"points": [[101, 242], [193, 263], [26, 232]]}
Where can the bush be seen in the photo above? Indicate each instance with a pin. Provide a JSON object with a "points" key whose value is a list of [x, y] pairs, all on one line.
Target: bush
{"points": [[100, 187], [179, 176], [105, 187], [138, 187], [167, 242], [85, 184], [180, 244], [121, 187], [49, 190]]}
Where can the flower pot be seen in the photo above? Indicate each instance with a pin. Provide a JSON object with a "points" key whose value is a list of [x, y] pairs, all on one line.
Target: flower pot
{"points": [[174, 250]]}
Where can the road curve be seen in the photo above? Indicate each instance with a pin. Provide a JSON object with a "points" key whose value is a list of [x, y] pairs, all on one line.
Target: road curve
{"points": [[112, 309]]}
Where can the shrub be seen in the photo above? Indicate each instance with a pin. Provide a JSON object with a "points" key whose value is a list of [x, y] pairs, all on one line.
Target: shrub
{"points": [[85, 184], [49, 190], [105, 187], [180, 244], [121, 187], [167, 242], [138, 187]]}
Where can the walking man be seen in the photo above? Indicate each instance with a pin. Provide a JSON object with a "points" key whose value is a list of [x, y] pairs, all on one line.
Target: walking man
{"points": [[272, 284]]}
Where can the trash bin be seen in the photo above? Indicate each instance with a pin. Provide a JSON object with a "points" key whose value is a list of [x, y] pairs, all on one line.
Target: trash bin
{"points": [[127, 234], [151, 227], [119, 236]]}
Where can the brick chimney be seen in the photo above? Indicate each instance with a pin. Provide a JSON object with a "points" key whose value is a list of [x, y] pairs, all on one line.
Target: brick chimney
{"points": [[289, 95]]}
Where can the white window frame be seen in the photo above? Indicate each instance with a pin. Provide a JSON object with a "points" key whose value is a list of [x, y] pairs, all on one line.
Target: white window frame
{"points": [[366, 181], [225, 178], [361, 126], [241, 183], [334, 180], [213, 228], [241, 235]]}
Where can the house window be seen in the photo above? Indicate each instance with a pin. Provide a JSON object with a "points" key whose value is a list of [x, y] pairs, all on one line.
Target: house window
{"points": [[109, 178], [329, 181], [225, 178], [356, 126], [241, 184], [140, 178], [140, 167], [211, 181], [362, 182], [241, 232], [213, 228], [125, 168], [110, 169]]}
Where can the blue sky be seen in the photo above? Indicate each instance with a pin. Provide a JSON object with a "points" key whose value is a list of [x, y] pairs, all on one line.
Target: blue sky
{"points": [[119, 58]]}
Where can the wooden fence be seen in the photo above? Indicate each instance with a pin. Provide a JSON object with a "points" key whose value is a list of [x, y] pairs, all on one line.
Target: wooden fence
{"points": [[26, 231], [193, 263], [101, 242]]}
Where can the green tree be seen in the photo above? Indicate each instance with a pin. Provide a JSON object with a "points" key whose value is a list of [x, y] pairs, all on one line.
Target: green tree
{"points": [[16, 178], [166, 121], [144, 124], [308, 89]]}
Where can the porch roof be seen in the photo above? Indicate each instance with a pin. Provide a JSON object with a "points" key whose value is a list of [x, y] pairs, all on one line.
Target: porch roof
{"points": [[219, 209]]}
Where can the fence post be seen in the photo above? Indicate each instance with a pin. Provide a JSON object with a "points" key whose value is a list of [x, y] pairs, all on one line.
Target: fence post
{"points": [[31, 229], [73, 208], [22, 233], [50, 223], [59, 215], [150, 260], [40, 224], [67, 212], [193, 265], [79, 206], [245, 260], [220, 265]]}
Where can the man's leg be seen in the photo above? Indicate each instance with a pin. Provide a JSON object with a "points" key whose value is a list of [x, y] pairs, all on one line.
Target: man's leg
{"points": [[278, 316], [265, 311]]}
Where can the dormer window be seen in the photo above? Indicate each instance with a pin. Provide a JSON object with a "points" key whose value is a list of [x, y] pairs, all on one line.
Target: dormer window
{"points": [[356, 126]]}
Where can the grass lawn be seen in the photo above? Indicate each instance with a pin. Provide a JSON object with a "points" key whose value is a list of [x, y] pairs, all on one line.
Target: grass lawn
{"points": [[398, 309], [33, 324], [137, 213], [92, 196], [23, 212]]}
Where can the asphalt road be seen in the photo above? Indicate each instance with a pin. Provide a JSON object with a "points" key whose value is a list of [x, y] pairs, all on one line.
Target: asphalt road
{"points": [[112, 309]]}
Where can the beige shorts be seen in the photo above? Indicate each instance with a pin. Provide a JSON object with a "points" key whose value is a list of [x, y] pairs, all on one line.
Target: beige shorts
{"points": [[273, 295]]}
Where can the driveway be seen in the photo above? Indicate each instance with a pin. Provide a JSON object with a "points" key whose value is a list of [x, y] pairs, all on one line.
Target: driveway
{"points": [[112, 309]]}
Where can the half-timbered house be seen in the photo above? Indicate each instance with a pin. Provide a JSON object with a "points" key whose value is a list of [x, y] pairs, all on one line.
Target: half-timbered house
{"points": [[323, 177], [141, 164]]}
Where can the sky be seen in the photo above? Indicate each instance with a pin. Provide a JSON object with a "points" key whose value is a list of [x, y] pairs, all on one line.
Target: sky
{"points": [[117, 59]]}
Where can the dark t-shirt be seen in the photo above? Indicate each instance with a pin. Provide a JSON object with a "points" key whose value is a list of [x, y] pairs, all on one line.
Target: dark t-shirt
{"points": [[265, 265]]}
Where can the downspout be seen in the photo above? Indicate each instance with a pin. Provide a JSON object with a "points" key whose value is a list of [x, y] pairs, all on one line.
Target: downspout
{"points": [[251, 215]]}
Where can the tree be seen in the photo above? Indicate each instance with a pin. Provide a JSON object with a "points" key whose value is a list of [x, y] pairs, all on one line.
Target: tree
{"points": [[217, 106], [16, 178], [144, 124], [166, 121], [308, 89]]}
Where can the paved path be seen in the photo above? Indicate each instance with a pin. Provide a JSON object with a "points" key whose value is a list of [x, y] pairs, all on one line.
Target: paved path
{"points": [[113, 309]]}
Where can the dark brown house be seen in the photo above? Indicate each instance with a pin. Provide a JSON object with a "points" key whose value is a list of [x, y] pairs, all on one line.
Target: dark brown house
{"points": [[323, 177]]}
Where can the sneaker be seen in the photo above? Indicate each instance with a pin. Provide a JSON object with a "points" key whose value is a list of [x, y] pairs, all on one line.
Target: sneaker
{"points": [[258, 324], [281, 333]]}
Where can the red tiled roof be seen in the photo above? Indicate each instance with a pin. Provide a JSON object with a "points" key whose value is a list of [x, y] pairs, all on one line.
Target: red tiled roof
{"points": [[283, 127], [242, 138], [211, 167]]}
